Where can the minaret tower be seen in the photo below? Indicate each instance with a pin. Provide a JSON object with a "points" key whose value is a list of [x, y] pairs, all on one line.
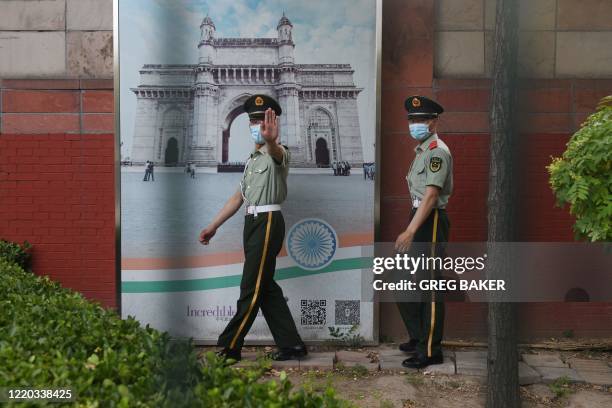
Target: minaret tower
{"points": [[206, 95], [288, 90], [286, 45], [207, 35]]}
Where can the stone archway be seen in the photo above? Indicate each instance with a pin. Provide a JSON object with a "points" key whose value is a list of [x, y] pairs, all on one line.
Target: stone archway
{"points": [[321, 127], [172, 152], [321, 153], [231, 69], [233, 114]]}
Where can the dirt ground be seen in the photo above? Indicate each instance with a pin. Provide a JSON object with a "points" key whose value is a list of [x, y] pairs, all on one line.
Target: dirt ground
{"points": [[417, 390], [413, 389]]}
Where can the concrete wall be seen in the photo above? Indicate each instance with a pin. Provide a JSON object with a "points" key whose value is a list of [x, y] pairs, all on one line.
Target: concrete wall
{"points": [[558, 38], [56, 38]]}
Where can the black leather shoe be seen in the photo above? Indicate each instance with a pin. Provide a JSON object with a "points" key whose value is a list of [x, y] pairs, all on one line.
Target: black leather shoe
{"points": [[289, 353], [229, 354], [422, 361], [409, 347]]}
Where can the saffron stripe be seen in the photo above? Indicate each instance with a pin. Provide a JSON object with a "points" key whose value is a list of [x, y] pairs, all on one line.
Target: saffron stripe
{"points": [[433, 294]]}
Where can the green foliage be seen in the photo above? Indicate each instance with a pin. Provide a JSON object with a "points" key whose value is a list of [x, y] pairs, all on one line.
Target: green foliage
{"points": [[347, 337], [223, 386], [19, 254], [560, 387], [51, 337], [582, 177]]}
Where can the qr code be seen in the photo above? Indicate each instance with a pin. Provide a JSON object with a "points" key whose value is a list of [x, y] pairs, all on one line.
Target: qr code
{"points": [[313, 312], [347, 312]]}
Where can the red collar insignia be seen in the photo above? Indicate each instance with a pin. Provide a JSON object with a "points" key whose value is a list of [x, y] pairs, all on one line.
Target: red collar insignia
{"points": [[433, 145]]}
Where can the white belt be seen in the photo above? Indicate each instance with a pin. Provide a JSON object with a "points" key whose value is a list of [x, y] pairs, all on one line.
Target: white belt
{"points": [[417, 201], [255, 209]]}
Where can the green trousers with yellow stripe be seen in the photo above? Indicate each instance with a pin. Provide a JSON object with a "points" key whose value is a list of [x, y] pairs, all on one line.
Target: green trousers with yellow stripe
{"points": [[425, 320], [262, 240]]}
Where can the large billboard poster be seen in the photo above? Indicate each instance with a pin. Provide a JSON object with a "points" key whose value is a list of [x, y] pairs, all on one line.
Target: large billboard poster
{"points": [[186, 69]]}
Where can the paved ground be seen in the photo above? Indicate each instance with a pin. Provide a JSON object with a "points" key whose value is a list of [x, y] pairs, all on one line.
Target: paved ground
{"points": [[534, 367], [374, 377], [164, 218]]}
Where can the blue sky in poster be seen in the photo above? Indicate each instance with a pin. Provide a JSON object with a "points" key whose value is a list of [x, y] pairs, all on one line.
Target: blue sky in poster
{"points": [[167, 32]]}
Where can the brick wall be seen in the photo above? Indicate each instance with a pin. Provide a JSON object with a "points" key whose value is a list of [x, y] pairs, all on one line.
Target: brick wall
{"points": [[58, 193], [57, 179], [438, 49], [56, 139]]}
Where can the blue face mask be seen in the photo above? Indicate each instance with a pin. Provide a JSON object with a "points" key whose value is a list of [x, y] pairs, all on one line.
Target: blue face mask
{"points": [[419, 131], [256, 134]]}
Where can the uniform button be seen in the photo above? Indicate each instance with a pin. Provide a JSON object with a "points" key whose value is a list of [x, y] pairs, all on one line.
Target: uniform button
{"points": [[255, 159], [250, 172], [248, 186]]}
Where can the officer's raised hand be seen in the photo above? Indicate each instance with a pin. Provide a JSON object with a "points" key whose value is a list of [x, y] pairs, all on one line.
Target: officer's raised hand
{"points": [[269, 127]]}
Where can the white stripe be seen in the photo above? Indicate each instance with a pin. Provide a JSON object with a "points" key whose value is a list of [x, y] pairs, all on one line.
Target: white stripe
{"points": [[145, 275]]}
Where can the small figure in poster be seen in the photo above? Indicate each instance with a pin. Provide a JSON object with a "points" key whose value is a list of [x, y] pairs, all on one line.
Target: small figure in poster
{"points": [[147, 174], [151, 167], [263, 188]]}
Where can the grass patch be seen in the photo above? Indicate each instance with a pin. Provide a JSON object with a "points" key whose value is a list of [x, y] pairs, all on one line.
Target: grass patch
{"points": [[561, 387], [415, 379], [356, 371]]}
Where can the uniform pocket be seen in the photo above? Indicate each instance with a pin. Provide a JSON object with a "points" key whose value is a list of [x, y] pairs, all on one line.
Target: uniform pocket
{"points": [[260, 174]]}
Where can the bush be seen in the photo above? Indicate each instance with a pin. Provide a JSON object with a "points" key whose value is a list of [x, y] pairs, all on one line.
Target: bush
{"points": [[51, 337], [582, 177], [19, 254], [223, 386]]}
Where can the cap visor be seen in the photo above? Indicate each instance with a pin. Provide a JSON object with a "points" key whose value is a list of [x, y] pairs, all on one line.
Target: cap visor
{"points": [[422, 115]]}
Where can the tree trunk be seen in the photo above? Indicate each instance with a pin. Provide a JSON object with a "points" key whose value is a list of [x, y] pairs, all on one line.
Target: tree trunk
{"points": [[502, 362]]}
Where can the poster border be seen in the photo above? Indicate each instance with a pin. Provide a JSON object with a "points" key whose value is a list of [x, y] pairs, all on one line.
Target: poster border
{"points": [[117, 111], [117, 156]]}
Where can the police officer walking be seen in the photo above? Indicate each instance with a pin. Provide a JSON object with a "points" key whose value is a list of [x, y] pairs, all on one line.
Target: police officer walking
{"points": [[430, 181], [263, 188]]}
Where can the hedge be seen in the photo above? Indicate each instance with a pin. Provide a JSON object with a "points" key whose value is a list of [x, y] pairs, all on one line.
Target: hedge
{"points": [[52, 337]]}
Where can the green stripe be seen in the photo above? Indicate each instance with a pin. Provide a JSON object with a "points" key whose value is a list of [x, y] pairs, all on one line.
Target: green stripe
{"points": [[234, 280]]}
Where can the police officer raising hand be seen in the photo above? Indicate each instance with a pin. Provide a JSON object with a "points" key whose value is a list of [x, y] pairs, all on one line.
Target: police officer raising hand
{"points": [[263, 188]]}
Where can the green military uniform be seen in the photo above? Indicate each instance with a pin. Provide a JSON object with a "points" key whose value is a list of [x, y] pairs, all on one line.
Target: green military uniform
{"points": [[264, 183], [432, 166]]}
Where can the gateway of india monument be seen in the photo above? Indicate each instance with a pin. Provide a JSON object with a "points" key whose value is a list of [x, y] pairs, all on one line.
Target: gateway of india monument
{"points": [[184, 112]]}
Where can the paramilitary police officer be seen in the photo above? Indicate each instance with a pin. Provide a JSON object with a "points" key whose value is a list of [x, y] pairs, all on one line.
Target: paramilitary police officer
{"points": [[263, 188], [430, 181]]}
